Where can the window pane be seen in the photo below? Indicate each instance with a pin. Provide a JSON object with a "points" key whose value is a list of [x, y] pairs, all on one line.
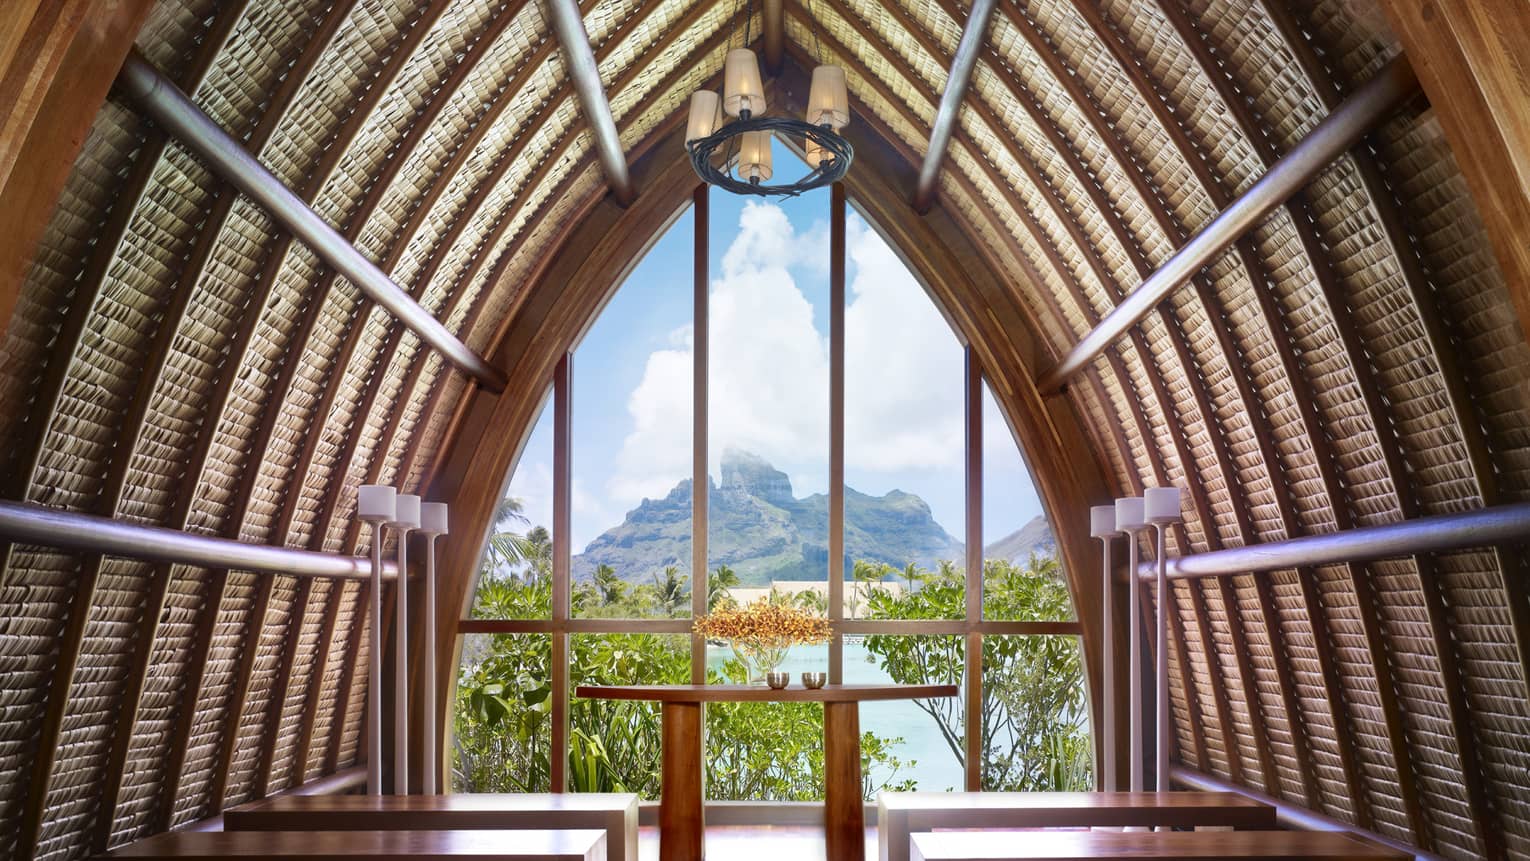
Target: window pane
{"points": [[768, 388], [918, 743], [764, 751], [1022, 577], [904, 478], [501, 728], [515, 573], [615, 745], [1036, 732], [631, 494]]}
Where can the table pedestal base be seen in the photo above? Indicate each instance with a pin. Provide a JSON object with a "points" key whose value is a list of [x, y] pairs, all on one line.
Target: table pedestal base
{"points": [[682, 827], [844, 813]]}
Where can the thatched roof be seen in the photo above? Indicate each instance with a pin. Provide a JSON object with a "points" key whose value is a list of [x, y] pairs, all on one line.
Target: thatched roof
{"points": [[175, 358]]}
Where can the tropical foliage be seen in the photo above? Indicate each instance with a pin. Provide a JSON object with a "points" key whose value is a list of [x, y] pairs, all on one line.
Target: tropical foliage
{"points": [[1033, 710]]}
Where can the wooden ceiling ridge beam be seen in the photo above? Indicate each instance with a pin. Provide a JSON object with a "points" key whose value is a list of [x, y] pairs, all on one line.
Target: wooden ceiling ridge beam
{"points": [[1328, 283], [1391, 86], [773, 34], [183, 118], [568, 25], [974, 33]]}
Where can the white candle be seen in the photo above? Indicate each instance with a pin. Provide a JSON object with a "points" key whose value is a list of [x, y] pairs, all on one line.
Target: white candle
{"points": [[1161, 504], [1102, 521], [376, 502], [407, 514], [1129, 514]]}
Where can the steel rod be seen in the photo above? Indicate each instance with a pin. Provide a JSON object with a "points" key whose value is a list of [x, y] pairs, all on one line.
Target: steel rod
{"points": [[1484, 527], [430, 756], [1134, 666], [1107, 780], [568, 27], [946, 118], [180, 117], [1350, 121], [1161, 673], [374, 671], [401, 670], [25, 523]]}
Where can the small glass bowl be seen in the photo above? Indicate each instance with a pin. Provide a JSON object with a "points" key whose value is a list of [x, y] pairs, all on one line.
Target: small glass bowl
{"points": [[778, 680], [814, 681]]}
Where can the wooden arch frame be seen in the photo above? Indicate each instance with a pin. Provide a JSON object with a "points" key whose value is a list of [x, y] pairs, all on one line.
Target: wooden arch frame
{"points": [[589, 265]]}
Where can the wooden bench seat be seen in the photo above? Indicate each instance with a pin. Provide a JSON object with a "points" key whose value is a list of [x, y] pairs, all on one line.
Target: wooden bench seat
{"points": [[901, 813], [614, 813], [1203, 846], [475, 845]]}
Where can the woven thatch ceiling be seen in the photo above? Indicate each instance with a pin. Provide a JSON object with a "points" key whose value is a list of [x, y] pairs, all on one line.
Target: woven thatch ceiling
{"points": [[175, 358]]}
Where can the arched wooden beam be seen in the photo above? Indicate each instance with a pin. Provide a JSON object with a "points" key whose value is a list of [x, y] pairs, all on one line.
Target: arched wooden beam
{"points": [[56, 78], [1470, 59]]}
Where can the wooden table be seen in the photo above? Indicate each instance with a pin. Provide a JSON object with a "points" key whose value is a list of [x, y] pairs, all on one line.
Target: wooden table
{"points": [[681, 822], [900, 814], [481, 845], [1177, 845], [614, 813]]}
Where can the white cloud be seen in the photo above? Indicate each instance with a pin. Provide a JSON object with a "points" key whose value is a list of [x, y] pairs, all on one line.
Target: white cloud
{"points": [[770, 368], [903, 367]]}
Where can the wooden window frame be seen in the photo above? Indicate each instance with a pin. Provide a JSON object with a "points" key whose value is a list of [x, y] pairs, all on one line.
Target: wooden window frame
{"points": [[562, 624]]}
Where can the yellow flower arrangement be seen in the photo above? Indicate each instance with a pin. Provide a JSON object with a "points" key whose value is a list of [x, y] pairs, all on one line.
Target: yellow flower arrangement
{"points": [[760, 633]]}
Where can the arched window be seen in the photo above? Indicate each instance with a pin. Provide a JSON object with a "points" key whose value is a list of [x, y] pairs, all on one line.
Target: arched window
{"points": [[852, 462]]}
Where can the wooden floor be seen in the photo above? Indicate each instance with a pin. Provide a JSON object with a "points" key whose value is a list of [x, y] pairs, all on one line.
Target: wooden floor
{"points": [[755, 843]]}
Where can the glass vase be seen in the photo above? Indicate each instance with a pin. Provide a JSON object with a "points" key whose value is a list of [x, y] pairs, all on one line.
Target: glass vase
{"points": [[758, 659]]}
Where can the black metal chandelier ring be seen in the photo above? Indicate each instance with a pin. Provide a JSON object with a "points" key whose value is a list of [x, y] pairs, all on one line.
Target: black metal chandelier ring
{"points": [[837, 155]]}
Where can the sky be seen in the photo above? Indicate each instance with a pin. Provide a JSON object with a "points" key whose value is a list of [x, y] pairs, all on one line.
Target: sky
{"points": [[769, 375]]}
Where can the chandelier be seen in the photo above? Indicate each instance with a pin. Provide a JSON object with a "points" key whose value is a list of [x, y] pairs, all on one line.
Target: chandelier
{"points": [[734, 124]]}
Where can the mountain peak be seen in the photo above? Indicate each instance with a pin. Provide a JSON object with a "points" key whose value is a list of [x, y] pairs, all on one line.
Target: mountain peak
{"points": [[748, 474]]}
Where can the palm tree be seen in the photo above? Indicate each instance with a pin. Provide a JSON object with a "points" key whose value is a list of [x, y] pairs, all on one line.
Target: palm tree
{"points": [[611, 587], [718, 585], [508, 548], [672, 591]]}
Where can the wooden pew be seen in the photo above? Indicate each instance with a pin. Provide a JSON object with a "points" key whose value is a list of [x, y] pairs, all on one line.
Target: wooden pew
{"points": [[902, 813], [477, 845], [1202, 846], [614, 813]]}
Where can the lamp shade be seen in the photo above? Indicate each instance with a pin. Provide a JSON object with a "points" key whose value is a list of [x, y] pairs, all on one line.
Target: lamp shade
{"points": [[1102, 521], [407, 516], [433, 518], [828, 98], [376, 502], [754, 156], [1129, 515], [705, 115], [1161, 504], [813, 153], [742, 89]]}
